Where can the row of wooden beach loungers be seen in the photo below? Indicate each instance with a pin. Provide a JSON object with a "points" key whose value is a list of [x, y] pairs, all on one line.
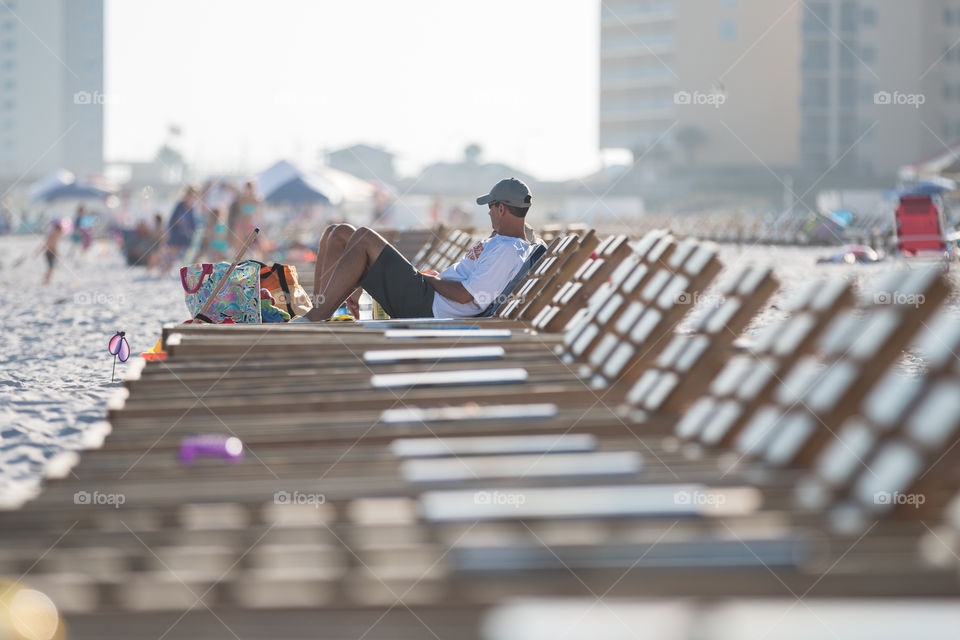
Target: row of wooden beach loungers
{"points": [[782, 229], [405, 479]]}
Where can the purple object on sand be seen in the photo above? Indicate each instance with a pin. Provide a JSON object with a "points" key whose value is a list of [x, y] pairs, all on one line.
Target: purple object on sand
{"points": [[211, 446]]}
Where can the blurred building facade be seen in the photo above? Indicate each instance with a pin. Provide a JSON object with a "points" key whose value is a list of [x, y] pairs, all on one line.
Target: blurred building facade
{"points": [[715, 82], [881, 83], [51, 87], [854, 87]]}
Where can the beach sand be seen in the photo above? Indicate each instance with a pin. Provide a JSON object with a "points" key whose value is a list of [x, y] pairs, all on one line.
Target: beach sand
{"points": [[54, 365], [55, 368]]}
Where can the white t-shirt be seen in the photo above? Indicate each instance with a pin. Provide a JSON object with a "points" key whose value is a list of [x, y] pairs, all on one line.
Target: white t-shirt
{"points": [[484, 271]]}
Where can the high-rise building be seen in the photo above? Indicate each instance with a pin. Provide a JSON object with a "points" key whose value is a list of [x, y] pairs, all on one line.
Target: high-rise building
{"points": [[848, 87], [716, 82], [51, 87], [881, 83]]}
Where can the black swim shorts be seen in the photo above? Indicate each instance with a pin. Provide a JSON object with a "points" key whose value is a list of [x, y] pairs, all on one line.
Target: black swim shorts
{"points": [[400, 289]]}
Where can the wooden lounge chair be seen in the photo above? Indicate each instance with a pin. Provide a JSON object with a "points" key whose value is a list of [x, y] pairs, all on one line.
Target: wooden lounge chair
{"points": [[750, 377], [690, 361], [857, 349], [564, 256], [458, 505]]}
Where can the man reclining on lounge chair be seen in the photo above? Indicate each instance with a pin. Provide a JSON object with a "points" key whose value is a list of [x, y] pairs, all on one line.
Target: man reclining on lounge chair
{"points": [[349, 258]]}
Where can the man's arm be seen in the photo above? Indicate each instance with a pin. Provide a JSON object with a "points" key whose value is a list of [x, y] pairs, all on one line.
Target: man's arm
{"points": [[449, 289]]}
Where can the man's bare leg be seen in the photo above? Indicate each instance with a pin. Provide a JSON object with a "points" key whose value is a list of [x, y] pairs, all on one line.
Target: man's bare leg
{"points": [[353, 299], [333, 243], [361, 252]]}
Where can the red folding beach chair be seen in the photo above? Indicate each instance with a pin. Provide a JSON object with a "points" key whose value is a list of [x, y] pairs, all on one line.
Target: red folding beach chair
{"points": [[920, 227]]}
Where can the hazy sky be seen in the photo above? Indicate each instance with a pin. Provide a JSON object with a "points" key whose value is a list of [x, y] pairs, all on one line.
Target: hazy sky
{"points": [[251, 81]]}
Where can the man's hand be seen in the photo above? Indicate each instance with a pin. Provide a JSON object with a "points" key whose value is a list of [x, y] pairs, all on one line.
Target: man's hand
{"points": [[353, 303]]}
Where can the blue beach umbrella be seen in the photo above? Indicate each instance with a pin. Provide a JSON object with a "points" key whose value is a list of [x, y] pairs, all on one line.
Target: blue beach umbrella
{"points": [[298, 190], [63, 185], [283, 183], [930, 187], [74, 191]]}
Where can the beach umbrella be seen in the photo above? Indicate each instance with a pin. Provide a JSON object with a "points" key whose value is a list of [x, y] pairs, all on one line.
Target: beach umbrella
{"points": [[931, 186], [349, 187], [75, 191], [297, 192], [49, 182], [827, 230], [842, 218], [284, 183], [63, 185], [384, 190]]}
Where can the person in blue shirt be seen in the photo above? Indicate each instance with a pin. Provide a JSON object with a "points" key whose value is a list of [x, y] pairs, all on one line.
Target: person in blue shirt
{"points": [[183, 222]]}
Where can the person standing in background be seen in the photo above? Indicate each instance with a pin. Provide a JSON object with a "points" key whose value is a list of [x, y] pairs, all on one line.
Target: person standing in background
{"points": [[81, 229], [218, 243], [49, 248], [246, 214], [183, 223], [158, 262]]}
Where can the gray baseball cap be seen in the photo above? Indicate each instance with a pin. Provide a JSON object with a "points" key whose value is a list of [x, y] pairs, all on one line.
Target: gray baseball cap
{"points": [[510, 191]]}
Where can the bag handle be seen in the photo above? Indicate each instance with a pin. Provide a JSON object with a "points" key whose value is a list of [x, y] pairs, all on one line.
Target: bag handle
{"points": [[281, 271], [285, 287], [265, 269], [206, 269], [233, 265]]}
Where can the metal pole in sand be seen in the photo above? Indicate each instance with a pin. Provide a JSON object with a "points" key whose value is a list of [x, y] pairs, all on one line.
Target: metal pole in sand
{"points": [[226, 276]]}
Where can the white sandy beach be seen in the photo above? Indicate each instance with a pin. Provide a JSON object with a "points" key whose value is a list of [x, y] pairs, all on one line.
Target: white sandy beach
{"points": [[54, 365]]}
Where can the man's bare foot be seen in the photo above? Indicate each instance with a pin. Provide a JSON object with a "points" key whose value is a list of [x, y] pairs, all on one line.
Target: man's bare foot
{"points": [[314, 316]]}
